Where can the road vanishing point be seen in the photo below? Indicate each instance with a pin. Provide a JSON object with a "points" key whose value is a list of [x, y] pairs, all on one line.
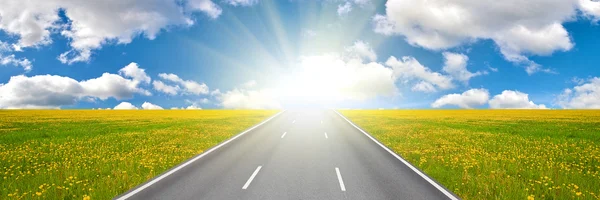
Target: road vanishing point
{"points": [[307, 154]]}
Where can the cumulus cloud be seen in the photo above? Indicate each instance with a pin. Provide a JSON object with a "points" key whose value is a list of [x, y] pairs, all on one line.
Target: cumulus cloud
{"points": [[91, 25], [241, 2], [409, 68], [125, 106], [134, 71], [150, 106], [344, 9], [583, 96], [424, 86], [590, 9], [456, 66], [249, 99], [207, 6], [52, 91], [12, 60], [4, 47], [165, 88], [112, 85], [362, 50], [43, 91], [468, 99], [193, 107], [518, 28], [188, 86], [513, 100]]}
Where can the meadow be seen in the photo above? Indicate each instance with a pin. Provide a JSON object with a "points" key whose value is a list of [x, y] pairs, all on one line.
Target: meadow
{"points": [[77, 154], [496, 154]]}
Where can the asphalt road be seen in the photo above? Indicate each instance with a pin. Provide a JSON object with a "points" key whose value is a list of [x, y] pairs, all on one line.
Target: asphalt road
{"points": [[308, 154]]}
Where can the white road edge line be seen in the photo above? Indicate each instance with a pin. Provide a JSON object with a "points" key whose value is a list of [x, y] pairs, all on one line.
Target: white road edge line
{"points": [[432, 182], [326, 135], [283, 134], [251, 178], [337, 171], [153, 181]]}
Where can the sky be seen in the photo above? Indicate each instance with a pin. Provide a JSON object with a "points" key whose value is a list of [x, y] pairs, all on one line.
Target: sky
{"points": [[268, 54]]}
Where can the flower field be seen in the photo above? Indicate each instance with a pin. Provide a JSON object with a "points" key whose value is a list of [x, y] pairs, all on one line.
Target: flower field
{"points": [[496, 154], [77, 154]]}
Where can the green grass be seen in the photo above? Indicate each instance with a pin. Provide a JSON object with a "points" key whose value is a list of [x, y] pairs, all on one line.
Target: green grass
{"points": [[496, 154], [100, 154]]}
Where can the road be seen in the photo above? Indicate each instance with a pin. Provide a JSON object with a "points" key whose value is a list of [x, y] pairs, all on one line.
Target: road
{"points": [[308, 154]]}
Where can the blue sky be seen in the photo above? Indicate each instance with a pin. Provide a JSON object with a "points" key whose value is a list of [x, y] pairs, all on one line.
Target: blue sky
{"points": [[238, 54]]}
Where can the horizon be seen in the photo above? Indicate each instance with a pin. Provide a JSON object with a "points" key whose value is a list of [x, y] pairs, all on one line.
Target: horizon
{"points": [[261, 54]]}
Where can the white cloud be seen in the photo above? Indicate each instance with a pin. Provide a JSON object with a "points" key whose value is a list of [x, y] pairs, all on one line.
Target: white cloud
{"points": [[584, 96], [5, 47], [195, 104], [215, 92], [207, 6], [241, 2], [12, 60], [112, 85], [409, 68], [456, 66], [249, 99], [134, 71], [424, 86], [468, 99], [204, 101], [362, 50], [361, 2], [150, 106], [51, 91], [164, 88], [519, 28], [193, 107], [590, 8], [43, 91], [125, 106], [383, 25], [92, 25], [189, 87], [344, 9], [513, 100]]}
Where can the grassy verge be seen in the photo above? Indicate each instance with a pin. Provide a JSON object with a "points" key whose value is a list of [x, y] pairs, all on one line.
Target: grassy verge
{"points": [[496, 154], [100, 154]]}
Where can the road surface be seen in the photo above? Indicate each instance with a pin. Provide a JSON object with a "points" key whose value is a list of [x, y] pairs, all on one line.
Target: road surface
{"points": [[308, 154]]}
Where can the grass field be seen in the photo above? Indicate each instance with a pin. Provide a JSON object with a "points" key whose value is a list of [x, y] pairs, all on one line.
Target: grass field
{"points": [[496, 154], [100, 154]]}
